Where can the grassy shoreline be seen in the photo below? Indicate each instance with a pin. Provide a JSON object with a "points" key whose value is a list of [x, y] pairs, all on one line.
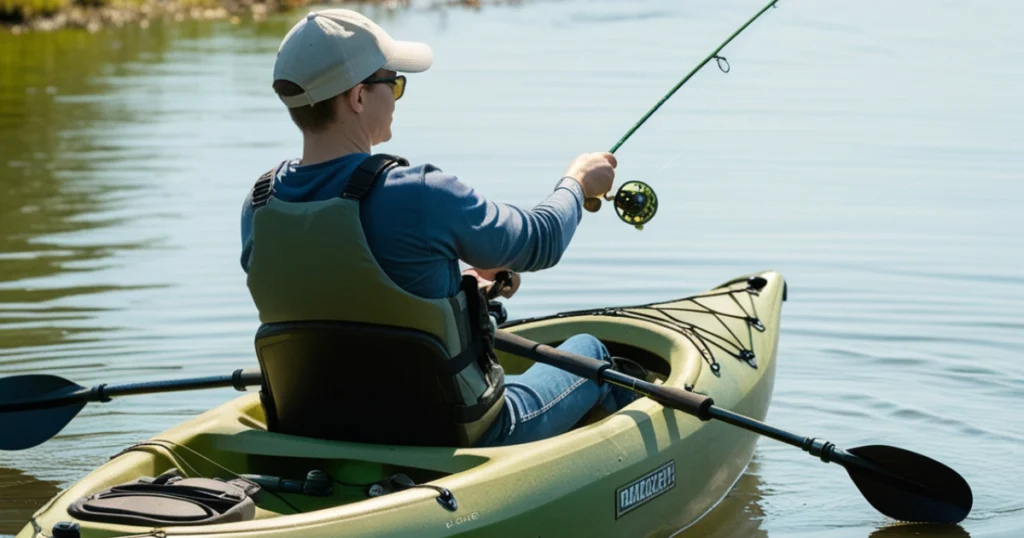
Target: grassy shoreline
{"points": [[18, 16], [92, 15]]}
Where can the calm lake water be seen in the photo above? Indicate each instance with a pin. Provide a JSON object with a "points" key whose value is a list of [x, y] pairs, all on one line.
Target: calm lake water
{"points": [[871, 151]]}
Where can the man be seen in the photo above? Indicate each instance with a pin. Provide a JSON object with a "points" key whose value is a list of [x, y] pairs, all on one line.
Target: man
{"points": [[337, 72]]}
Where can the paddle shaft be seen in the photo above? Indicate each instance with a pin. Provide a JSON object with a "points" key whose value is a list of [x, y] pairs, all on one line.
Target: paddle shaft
{"points": [[598, 370], [703, 408], [688, 402], [239, 379]]}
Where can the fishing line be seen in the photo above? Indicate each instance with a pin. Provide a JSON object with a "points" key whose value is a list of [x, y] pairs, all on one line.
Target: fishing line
{"points": [[635, 202]]}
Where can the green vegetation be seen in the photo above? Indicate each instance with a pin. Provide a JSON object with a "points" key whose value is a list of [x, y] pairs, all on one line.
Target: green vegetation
{"points": [[22, 15], [23, 9]]}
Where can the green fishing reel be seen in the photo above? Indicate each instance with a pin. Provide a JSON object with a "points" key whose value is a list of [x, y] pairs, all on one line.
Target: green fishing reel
{"points": [[635, 203]]}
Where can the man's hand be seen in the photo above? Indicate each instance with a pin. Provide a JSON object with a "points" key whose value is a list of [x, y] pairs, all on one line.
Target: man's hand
{"points": [[485, 279], [595, 172]]}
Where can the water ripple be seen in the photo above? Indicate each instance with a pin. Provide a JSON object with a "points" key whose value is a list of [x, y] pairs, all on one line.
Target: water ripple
{"points": [[873, 161]]}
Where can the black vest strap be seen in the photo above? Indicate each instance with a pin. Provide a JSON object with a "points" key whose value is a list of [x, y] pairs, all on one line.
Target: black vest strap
{"points": [[264, 188], [480, 323], [361, 182], [364, 178]]}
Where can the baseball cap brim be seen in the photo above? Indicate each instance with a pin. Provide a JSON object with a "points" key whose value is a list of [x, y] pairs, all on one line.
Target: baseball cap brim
{"points": [[408, 57]]}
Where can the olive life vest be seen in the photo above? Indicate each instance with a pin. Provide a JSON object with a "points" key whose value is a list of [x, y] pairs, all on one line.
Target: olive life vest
{"points": [[310, 261]]}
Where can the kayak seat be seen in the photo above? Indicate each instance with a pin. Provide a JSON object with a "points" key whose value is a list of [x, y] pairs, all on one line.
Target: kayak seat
{"points": [[355, 382]]}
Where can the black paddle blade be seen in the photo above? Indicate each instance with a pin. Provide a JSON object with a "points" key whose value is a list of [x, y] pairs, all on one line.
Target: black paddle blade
{"points": [[21, 429], [908, 486]]}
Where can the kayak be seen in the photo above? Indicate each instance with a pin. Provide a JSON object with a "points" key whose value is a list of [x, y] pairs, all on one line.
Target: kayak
{"points": [[645, 470]]}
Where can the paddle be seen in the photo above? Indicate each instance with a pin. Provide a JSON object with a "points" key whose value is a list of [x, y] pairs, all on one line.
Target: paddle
{"points": [[35, 407], [898, 483]]}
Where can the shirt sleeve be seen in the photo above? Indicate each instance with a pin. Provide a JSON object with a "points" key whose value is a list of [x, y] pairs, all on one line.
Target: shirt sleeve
{"points": [[462, 224]]}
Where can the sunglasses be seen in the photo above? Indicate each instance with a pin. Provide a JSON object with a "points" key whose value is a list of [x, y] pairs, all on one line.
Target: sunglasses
{"points": [[397, 84]]}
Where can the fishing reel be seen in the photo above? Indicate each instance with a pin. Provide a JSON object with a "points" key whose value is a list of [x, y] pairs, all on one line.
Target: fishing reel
{"points": [[635, 203]]}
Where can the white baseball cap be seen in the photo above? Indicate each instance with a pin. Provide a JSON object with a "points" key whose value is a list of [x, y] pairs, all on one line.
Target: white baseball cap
{"points": [[331, 51]]}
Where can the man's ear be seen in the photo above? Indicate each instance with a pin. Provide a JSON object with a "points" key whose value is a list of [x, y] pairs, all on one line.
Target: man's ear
{"points": [[354, 98]]}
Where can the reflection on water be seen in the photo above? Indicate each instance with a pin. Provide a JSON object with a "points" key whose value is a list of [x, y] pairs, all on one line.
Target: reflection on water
{"points": [[869, 151], [739, 515], [61, 213], [20, 496], [919, 529]]}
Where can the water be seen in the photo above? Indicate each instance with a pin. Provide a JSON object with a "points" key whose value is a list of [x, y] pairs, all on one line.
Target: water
{"points": [[870, 151]]}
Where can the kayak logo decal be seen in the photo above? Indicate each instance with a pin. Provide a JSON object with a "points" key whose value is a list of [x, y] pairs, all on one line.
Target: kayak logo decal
{"points": [[464, 519], [644, 489]]}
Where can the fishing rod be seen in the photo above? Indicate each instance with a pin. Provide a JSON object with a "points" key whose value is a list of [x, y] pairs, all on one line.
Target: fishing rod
{"points": [[635, 202]]}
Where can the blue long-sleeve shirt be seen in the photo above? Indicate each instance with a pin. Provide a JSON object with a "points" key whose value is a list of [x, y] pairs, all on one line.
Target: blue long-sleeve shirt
{"points": [[419, 222]]}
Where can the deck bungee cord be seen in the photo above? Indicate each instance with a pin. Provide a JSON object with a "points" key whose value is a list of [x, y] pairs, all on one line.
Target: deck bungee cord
{"points": [[635, 202], [739, 346], [703, 339]]}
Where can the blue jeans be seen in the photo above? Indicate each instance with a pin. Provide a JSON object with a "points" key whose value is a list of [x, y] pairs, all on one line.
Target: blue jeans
{"points": [[545, 401]]}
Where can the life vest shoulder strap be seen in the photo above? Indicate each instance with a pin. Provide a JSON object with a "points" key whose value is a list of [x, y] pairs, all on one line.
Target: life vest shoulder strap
{"points": [[263, 190], [367, 174], [359, 185]]}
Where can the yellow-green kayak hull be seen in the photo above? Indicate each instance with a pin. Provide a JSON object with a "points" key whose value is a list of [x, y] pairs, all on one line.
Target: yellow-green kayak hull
{"points": [[643, 471]]}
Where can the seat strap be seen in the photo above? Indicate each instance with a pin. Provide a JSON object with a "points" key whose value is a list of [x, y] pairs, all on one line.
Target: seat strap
{"points": [[467, 356], [367, 174]]}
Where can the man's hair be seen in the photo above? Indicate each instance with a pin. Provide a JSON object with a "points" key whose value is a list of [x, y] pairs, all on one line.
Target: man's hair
{"points": [[309, 118]]}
